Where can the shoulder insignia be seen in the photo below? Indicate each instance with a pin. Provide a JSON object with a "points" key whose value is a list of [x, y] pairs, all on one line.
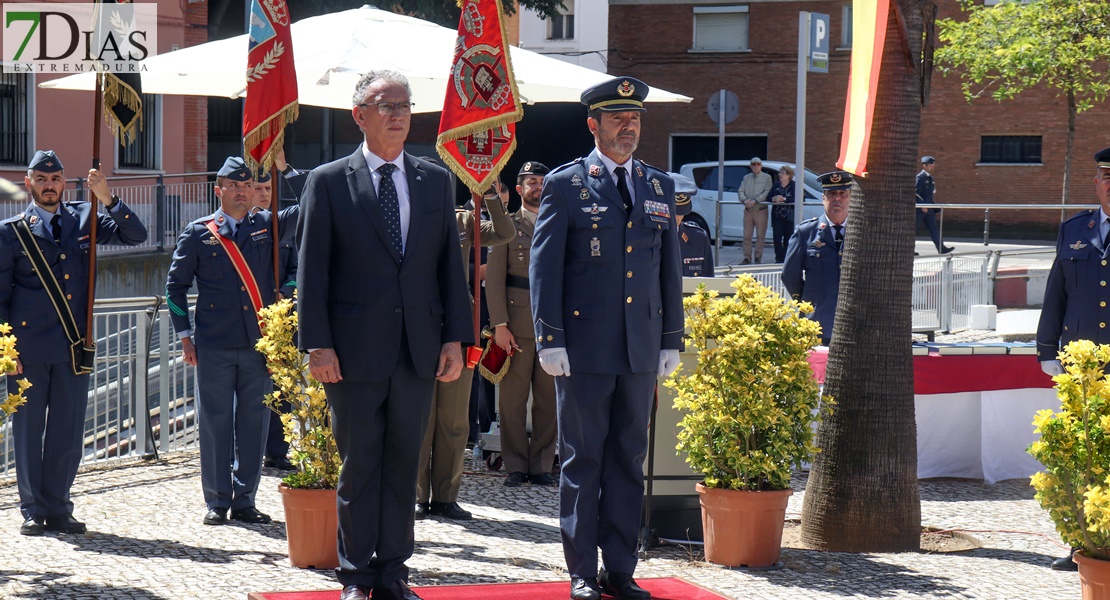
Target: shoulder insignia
{"points": [[565, 166], [1078, 245], [34, 219], [811, 219]]}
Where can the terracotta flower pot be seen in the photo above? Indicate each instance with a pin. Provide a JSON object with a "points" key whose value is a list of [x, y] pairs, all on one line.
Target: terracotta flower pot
{"points": [[311, 527], [1094, 576], [741, 528]]}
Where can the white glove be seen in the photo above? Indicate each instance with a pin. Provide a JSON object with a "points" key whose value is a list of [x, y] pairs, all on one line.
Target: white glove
{"points": [[1052, 368], [555, 362], [668, 362]]}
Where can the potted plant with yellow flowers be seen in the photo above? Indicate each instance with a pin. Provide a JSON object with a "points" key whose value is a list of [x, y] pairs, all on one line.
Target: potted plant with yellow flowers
{"points": [[8, 356], [750, 405], [1074, 448], [308, 494]]}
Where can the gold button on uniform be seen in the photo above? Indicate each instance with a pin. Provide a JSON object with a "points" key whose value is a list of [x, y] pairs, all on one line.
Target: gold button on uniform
{"points": [[244, 307], [550, 338], [67, 275], [628, 274], [1102, 304], [1102, 283], [630, 224], [242, 288], [63, 257], [1104, 263], [1102, 325], [628, 249], [576, 313], [24, 323], [628, 300], [594, 226], [69, 296]]}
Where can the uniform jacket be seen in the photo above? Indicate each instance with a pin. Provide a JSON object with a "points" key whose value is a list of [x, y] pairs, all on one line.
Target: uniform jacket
{"points": [[25, 304], [356, 291], [224, 315], [811, 271], [926, 187], [697, 252], [1076, 298], [606, 285], [510, 303]]}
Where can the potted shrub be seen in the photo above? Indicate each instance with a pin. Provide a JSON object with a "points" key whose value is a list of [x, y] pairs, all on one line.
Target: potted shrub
{"points": [[8, 355], [1075, 450], [750, 403], [308, 494]]}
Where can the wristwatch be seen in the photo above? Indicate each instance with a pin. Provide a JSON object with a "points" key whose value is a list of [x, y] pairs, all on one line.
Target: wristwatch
{"points": [[288, 168]]}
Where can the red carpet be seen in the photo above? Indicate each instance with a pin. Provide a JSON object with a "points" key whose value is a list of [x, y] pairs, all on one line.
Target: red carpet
{"points": [[661, 589]]}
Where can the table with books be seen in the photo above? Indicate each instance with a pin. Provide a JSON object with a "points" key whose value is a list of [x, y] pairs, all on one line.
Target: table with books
{"points": [[974, 405]]}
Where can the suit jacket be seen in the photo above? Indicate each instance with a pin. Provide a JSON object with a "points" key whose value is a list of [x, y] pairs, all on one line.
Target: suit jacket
{"points": [[25, 304], [811, 271], [356, 293], [1076, 299], [511, 303], [606, 285], [225, 317]]}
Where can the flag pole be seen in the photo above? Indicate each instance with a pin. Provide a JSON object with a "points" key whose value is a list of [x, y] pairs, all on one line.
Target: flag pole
{"points": [[477, 283], [274, 233], [94, 210]]}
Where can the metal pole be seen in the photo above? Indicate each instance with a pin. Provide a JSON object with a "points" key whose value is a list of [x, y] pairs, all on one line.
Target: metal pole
{"points": [[800, 127], [720, 169]]}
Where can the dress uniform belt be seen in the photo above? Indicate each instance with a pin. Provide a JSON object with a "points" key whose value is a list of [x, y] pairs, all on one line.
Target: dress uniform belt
{"points": [[516, 281]]}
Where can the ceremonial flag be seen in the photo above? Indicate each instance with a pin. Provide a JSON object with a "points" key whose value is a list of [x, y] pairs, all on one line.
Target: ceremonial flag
{"points": [[123, 92], [477, 131], [271, 102], [869, 20]]}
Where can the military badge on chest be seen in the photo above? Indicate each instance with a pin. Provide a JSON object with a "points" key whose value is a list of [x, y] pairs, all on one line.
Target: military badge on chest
{"points": [[657, 211], [595, 247], [594, 210]]}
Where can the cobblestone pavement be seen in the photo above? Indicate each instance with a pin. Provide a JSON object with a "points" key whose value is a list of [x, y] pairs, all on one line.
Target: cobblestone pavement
{"points": [[146, 541]]}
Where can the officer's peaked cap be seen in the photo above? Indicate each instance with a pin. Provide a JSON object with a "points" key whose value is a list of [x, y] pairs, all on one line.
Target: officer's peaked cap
{"points": [[617, 94]]}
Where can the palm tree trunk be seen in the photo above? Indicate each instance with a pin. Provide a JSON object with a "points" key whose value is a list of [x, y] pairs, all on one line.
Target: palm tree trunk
{"points": [[862, 494]]}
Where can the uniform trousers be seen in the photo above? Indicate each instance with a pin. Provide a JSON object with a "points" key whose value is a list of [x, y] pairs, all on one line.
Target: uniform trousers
{"points": [[755, 227], [441, 455], [603, 435], [930, 218], [48, 432], [521, 454], [233, 424], [378, 427]]}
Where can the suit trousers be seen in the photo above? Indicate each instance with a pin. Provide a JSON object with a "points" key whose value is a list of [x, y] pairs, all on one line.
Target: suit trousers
{"points": [[603, 439], [755, 227], [441, 455], [521, 454], [48, 432], [378, 428], [233, 424]]}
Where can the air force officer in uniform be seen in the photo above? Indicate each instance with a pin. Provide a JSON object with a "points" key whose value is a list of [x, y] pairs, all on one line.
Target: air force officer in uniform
{"points": [[693, 241], [811, 272], [607, 305]]}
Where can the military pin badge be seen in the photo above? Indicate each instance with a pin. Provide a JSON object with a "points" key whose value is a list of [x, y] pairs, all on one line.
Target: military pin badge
{"points": [[595, 247], [584, 194], [595, 171], [1078, 245], [34, 219], [211, 240], [658, 187], [818, 244], [639, 172], [576, 181], [594, 210]]}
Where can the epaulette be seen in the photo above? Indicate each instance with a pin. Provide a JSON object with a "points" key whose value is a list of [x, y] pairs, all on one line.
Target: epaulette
{"points": [[811, 219], [1083, 214], [565, 165], [653, 167]]}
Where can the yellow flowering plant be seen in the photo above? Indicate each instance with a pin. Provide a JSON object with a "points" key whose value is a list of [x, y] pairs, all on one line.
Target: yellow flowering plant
{"points": [[8, 357], [751, 402], [308, 420], [1074, 448]]}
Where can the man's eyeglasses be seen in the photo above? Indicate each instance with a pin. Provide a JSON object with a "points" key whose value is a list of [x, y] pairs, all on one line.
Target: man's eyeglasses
{"points": [[386, 109]]}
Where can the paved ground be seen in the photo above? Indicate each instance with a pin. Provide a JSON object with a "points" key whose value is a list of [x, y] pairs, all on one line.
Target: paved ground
{"points": [[146, 541]]}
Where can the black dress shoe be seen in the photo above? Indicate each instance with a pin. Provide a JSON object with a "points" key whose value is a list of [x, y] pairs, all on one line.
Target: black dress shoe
{"points": [[65, 524], [280, 463], [515, 479], [1065, 563], [584, 588], [250, 514], [622, 586], [422, 510], [449, 510], [398, 591], [355, 592], [946, 249], [546, 479], [216, 516], [33, 526]]}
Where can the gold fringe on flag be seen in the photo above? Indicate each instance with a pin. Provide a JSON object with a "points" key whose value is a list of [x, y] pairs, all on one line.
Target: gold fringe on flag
{"points": [[117, 91], [272, 127]]}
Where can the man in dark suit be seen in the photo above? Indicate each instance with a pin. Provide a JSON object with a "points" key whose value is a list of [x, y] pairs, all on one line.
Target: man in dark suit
{"points": [[48, 429], [607, 306], [926, 187], [811, 272], [1075, 304], [232, 375], [383, 309]]}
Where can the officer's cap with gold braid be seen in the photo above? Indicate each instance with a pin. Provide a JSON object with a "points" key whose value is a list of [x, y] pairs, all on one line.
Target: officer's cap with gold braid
{"points": [[1102, 157], [684, 190], [617, 94], [835, 180]]}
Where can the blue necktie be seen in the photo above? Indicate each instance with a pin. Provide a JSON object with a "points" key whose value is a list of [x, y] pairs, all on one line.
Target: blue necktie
{"points": [[387, 196]]}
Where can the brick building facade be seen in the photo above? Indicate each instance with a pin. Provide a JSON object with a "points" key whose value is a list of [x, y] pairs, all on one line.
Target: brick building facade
{"points": [[653, 40]]}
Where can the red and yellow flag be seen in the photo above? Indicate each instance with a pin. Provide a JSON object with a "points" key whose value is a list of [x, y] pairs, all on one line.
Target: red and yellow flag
{"points": [[477, 132], [271, 102], [869, 20]]}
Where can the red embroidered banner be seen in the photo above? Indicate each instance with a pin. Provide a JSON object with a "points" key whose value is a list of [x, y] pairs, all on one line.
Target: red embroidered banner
{"points": [[477, 134], [869, 20], [271, 102]]}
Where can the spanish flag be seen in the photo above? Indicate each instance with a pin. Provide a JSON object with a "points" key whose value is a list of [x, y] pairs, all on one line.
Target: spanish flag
{"points": [[477, 128], [869, 20]]}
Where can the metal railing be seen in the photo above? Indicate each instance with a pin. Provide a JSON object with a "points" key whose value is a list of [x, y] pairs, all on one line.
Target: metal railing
{"points": [[139, 371]]}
